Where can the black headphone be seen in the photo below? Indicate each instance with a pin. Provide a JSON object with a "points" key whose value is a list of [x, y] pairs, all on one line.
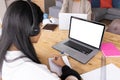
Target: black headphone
{"points": [[35, 29]]}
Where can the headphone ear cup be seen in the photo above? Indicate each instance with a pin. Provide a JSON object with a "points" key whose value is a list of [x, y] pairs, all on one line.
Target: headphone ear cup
{"points": [[35, 30]]}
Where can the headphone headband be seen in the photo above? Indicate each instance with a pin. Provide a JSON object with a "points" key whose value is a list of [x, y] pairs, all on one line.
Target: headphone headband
{"points": [[35, 28]]}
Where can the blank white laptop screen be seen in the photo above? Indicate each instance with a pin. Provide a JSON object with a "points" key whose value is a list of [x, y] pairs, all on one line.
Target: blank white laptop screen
{"points": [[86, 32]]}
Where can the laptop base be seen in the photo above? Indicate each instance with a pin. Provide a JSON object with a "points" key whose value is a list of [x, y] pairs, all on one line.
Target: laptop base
{"points": [[77, 55]]}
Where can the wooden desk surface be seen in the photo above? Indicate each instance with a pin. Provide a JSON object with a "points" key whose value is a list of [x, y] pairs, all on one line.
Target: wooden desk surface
{"points": [[49, 38]]}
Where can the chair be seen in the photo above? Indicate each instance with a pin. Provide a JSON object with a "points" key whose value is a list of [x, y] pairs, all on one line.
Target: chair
{"points": [[54, 10], [114, 27]]}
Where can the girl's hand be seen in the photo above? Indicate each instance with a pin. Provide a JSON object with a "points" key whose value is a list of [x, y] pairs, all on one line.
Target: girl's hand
{"points": [[58, 61]]}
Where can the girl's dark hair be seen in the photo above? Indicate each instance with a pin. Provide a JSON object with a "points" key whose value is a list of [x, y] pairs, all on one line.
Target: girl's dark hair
{"points": [[16, 27]]}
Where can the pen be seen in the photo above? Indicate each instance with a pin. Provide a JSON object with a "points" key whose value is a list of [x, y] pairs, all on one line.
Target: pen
{"points": [[50, 21], [64, 54]]}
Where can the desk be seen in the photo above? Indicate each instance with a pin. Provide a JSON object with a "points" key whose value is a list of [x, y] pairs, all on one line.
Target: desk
{"points": [[48, 39]]}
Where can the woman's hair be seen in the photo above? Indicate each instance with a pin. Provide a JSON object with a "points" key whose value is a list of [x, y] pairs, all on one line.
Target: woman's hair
{"points": [[16, 28]]}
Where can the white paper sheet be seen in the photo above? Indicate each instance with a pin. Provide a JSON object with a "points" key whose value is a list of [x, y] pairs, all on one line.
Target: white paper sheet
{"points": [[112, 73]]}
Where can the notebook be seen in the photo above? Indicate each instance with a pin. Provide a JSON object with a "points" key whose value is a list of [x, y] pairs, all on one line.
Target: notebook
{"points": [[110, 50], [64, 19], [84, 39], [50, 27]]}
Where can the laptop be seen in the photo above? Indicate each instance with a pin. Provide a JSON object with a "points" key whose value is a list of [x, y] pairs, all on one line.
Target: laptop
{"points": [[84, 39], [64, 19]]}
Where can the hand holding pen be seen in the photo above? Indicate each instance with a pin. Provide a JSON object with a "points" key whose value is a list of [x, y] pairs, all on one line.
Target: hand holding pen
{"points": [[58, 61]]}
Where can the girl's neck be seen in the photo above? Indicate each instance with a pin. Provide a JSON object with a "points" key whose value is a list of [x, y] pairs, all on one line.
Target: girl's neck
{"points": [[13, 48]]}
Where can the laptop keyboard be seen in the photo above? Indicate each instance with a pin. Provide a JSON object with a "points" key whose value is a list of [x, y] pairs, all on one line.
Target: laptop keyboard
{"points": [[78, 47]]}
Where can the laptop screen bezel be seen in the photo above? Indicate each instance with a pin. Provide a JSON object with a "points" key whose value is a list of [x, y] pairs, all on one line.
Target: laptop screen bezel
{"points": [[90, 22]]}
